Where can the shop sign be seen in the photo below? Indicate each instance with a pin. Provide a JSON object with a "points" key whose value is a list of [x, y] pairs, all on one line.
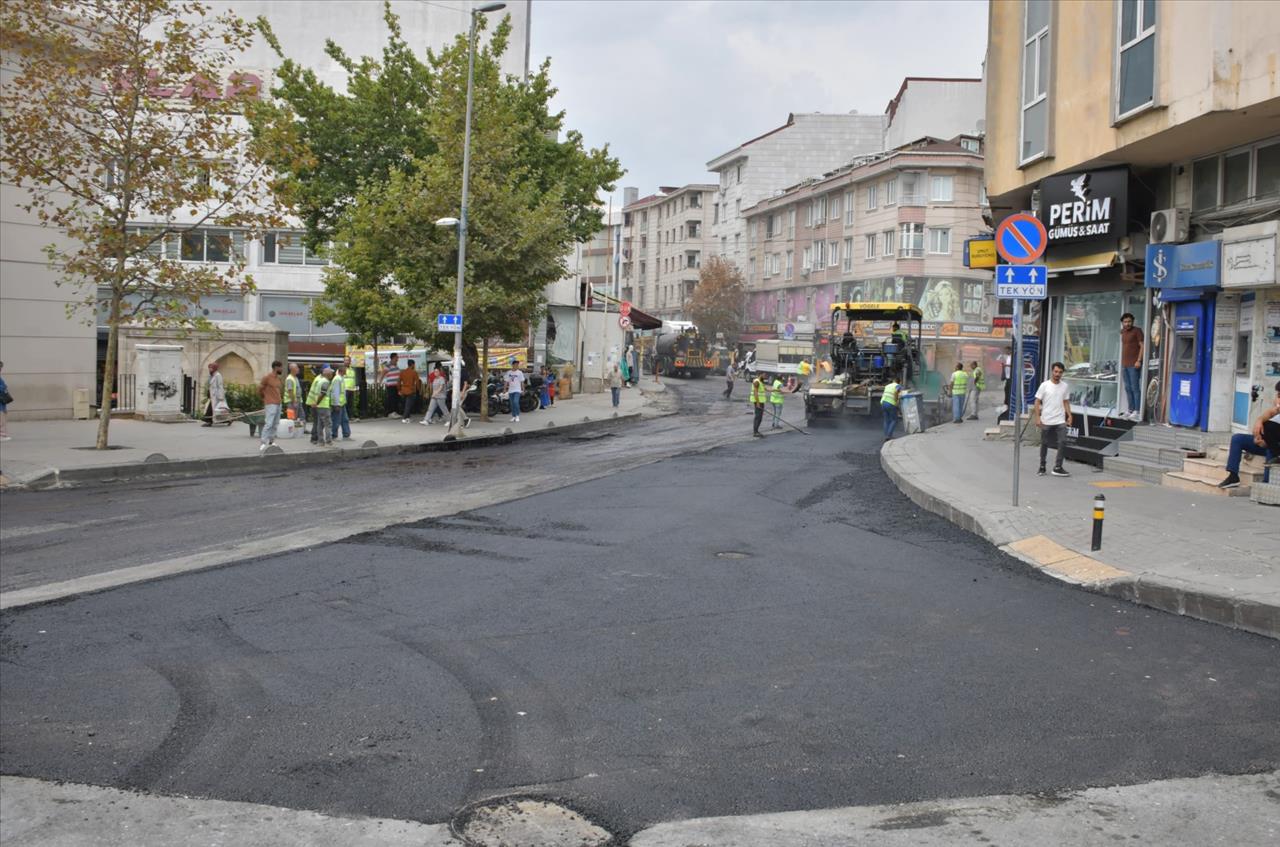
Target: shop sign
{"points": [[1196, 265], [980, 253], [1249, 263], [1085, 206]]}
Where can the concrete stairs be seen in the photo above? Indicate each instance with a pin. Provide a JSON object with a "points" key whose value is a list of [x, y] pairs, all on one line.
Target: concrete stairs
{"points": [[1202, 476], [1151, 452]]}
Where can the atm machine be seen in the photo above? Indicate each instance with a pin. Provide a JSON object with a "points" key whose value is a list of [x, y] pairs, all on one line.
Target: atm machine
{"points": [[1192, 339]]}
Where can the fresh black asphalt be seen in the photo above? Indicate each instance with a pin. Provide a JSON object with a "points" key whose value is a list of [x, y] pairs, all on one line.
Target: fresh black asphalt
{"points": [[766, 626]]}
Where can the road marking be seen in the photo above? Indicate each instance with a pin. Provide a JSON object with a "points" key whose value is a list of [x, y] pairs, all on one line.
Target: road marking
{"points": [[37, 529], [1063, 562]]}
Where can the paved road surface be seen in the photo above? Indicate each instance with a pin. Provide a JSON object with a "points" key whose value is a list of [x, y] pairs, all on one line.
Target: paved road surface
{"points": [[766, 626]]}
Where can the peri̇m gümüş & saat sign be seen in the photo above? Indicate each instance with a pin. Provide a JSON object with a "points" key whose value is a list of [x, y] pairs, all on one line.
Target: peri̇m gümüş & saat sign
{"points": [[1086, 205]]}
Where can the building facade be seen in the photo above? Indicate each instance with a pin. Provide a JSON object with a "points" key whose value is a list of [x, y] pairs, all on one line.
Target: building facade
{"points": [[49, 354], [1144, 135], [807, 145], [664, 239], [887, 227]]}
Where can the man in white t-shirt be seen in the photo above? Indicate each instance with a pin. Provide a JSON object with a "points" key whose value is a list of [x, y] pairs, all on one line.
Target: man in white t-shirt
{"points": [[1052, 414], [514, 380]]}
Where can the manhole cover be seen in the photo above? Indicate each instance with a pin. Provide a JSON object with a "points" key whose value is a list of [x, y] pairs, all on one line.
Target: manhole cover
{"points": [[732, 554], [525, 822]]}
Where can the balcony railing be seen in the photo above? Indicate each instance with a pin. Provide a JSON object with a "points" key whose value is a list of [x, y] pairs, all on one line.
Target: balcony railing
{"points": [[910, 252], [914, 200]]}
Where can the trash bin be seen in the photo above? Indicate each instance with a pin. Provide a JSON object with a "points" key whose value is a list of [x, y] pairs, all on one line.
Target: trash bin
{"points": [[80, 404], [912, 405]]}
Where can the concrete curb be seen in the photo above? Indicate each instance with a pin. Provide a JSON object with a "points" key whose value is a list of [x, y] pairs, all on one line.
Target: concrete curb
{"points": [[233, 465], [1143, 589]]}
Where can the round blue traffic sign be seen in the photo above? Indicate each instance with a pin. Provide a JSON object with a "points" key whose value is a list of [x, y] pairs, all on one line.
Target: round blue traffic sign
{"points": [[1021, 239]]}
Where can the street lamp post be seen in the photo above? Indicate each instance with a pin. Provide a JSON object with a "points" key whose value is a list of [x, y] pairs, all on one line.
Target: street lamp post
{"points": [[455, 413]]}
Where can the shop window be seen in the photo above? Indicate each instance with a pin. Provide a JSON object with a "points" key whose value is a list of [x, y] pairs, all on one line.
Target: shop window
{"points": [[1088, 342]]}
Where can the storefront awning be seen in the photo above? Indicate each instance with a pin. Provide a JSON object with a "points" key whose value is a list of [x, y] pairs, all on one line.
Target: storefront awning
{"points": [[644, 320], [1090, 263]]}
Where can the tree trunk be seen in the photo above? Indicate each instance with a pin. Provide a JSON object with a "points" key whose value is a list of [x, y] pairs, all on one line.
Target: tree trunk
{"points": [[109, 372], [484, 380]]}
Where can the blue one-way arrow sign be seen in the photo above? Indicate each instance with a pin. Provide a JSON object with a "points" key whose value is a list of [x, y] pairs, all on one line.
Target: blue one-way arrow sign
{"points": [[1022, 282], [448, 323]]}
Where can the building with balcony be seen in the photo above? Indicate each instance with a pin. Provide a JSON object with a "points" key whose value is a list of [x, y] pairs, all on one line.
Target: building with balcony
{"points": [[886, 227], [1146, 136], [664, 239]]}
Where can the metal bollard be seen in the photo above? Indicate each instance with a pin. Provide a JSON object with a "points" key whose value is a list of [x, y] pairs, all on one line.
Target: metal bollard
{"points": [[1099, 510]]}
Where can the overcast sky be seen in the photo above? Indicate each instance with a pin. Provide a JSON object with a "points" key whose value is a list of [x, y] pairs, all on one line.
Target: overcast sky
{"points": [[671, 84]]}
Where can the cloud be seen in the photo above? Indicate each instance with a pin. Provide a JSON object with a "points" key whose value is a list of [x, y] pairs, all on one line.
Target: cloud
{"points": [[669, 85]]}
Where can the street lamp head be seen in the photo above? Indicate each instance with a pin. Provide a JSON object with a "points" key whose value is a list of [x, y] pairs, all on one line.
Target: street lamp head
{"points": [[447, 222], [491, 7]]}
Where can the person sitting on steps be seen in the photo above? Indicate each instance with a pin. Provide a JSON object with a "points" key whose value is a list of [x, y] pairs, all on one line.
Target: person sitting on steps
{"points": [[1263, 440]]}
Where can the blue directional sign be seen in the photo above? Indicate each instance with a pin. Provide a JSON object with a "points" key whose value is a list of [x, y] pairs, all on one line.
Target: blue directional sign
{"points": [[1022, 282], [448, 323]]}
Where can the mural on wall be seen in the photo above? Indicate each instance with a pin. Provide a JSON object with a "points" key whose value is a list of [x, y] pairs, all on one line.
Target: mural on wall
{"points": [[955, 306]]}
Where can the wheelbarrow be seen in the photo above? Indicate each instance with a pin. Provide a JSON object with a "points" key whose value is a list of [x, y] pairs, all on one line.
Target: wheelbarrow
{"points": [[255, 420]]}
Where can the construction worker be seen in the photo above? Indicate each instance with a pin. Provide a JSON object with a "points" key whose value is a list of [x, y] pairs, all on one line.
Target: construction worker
{"points": [[318, 400], [758, 396], [806, 371], [889, 406], [775, 401], [350, 387], [293, 398], [959, 390], [338, 405], [979, 378], [898, 335]]}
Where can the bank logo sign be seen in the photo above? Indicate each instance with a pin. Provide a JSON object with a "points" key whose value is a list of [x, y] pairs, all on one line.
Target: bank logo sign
{"points": [[1087, 206]]}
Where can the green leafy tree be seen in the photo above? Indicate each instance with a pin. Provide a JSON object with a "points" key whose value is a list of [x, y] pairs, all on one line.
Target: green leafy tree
{"points": [[718, 300], [128, 110], [378, 186]]}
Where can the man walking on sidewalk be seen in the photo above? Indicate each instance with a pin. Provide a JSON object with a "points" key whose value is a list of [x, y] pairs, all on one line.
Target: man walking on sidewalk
{"points": [[436, 382], [270, 389], [318, 400], [978, 381], [758, 397], [338, 405], [409, 384], [1052, 415], [728, 381], [1262, 440]]}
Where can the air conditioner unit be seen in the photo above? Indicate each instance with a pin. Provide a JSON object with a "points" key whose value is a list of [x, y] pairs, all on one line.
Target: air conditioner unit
{"points": [[804, 272], [1170, 226]]}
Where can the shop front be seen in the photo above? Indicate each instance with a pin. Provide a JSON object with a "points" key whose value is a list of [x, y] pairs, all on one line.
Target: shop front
{"points": [[1250, 295], [1091, 288]]}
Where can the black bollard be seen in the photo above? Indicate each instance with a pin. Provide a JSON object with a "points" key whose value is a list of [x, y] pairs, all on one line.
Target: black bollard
{"points": [[1099, 508]]}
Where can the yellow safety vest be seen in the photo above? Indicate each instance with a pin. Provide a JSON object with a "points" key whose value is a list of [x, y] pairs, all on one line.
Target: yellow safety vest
{"points": [[959, 382], [318, 396], [292, 388], [805, 368], [890, 395], [757, 391], [349, 380], [979, 378], [775, 392]]}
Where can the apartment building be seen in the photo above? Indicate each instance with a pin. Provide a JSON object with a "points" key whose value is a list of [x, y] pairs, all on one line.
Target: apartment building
{"points": [[1144, 135], [886, 227], [48, 354], [664, 239], [807, 145]]}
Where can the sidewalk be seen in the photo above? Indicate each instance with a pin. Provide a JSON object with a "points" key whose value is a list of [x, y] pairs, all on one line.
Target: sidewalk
{"points": [[1211, 558], [45, 454]]}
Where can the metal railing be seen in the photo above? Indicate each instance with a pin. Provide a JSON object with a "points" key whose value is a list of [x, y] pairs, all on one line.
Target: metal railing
{"points": [[910, 252]]}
